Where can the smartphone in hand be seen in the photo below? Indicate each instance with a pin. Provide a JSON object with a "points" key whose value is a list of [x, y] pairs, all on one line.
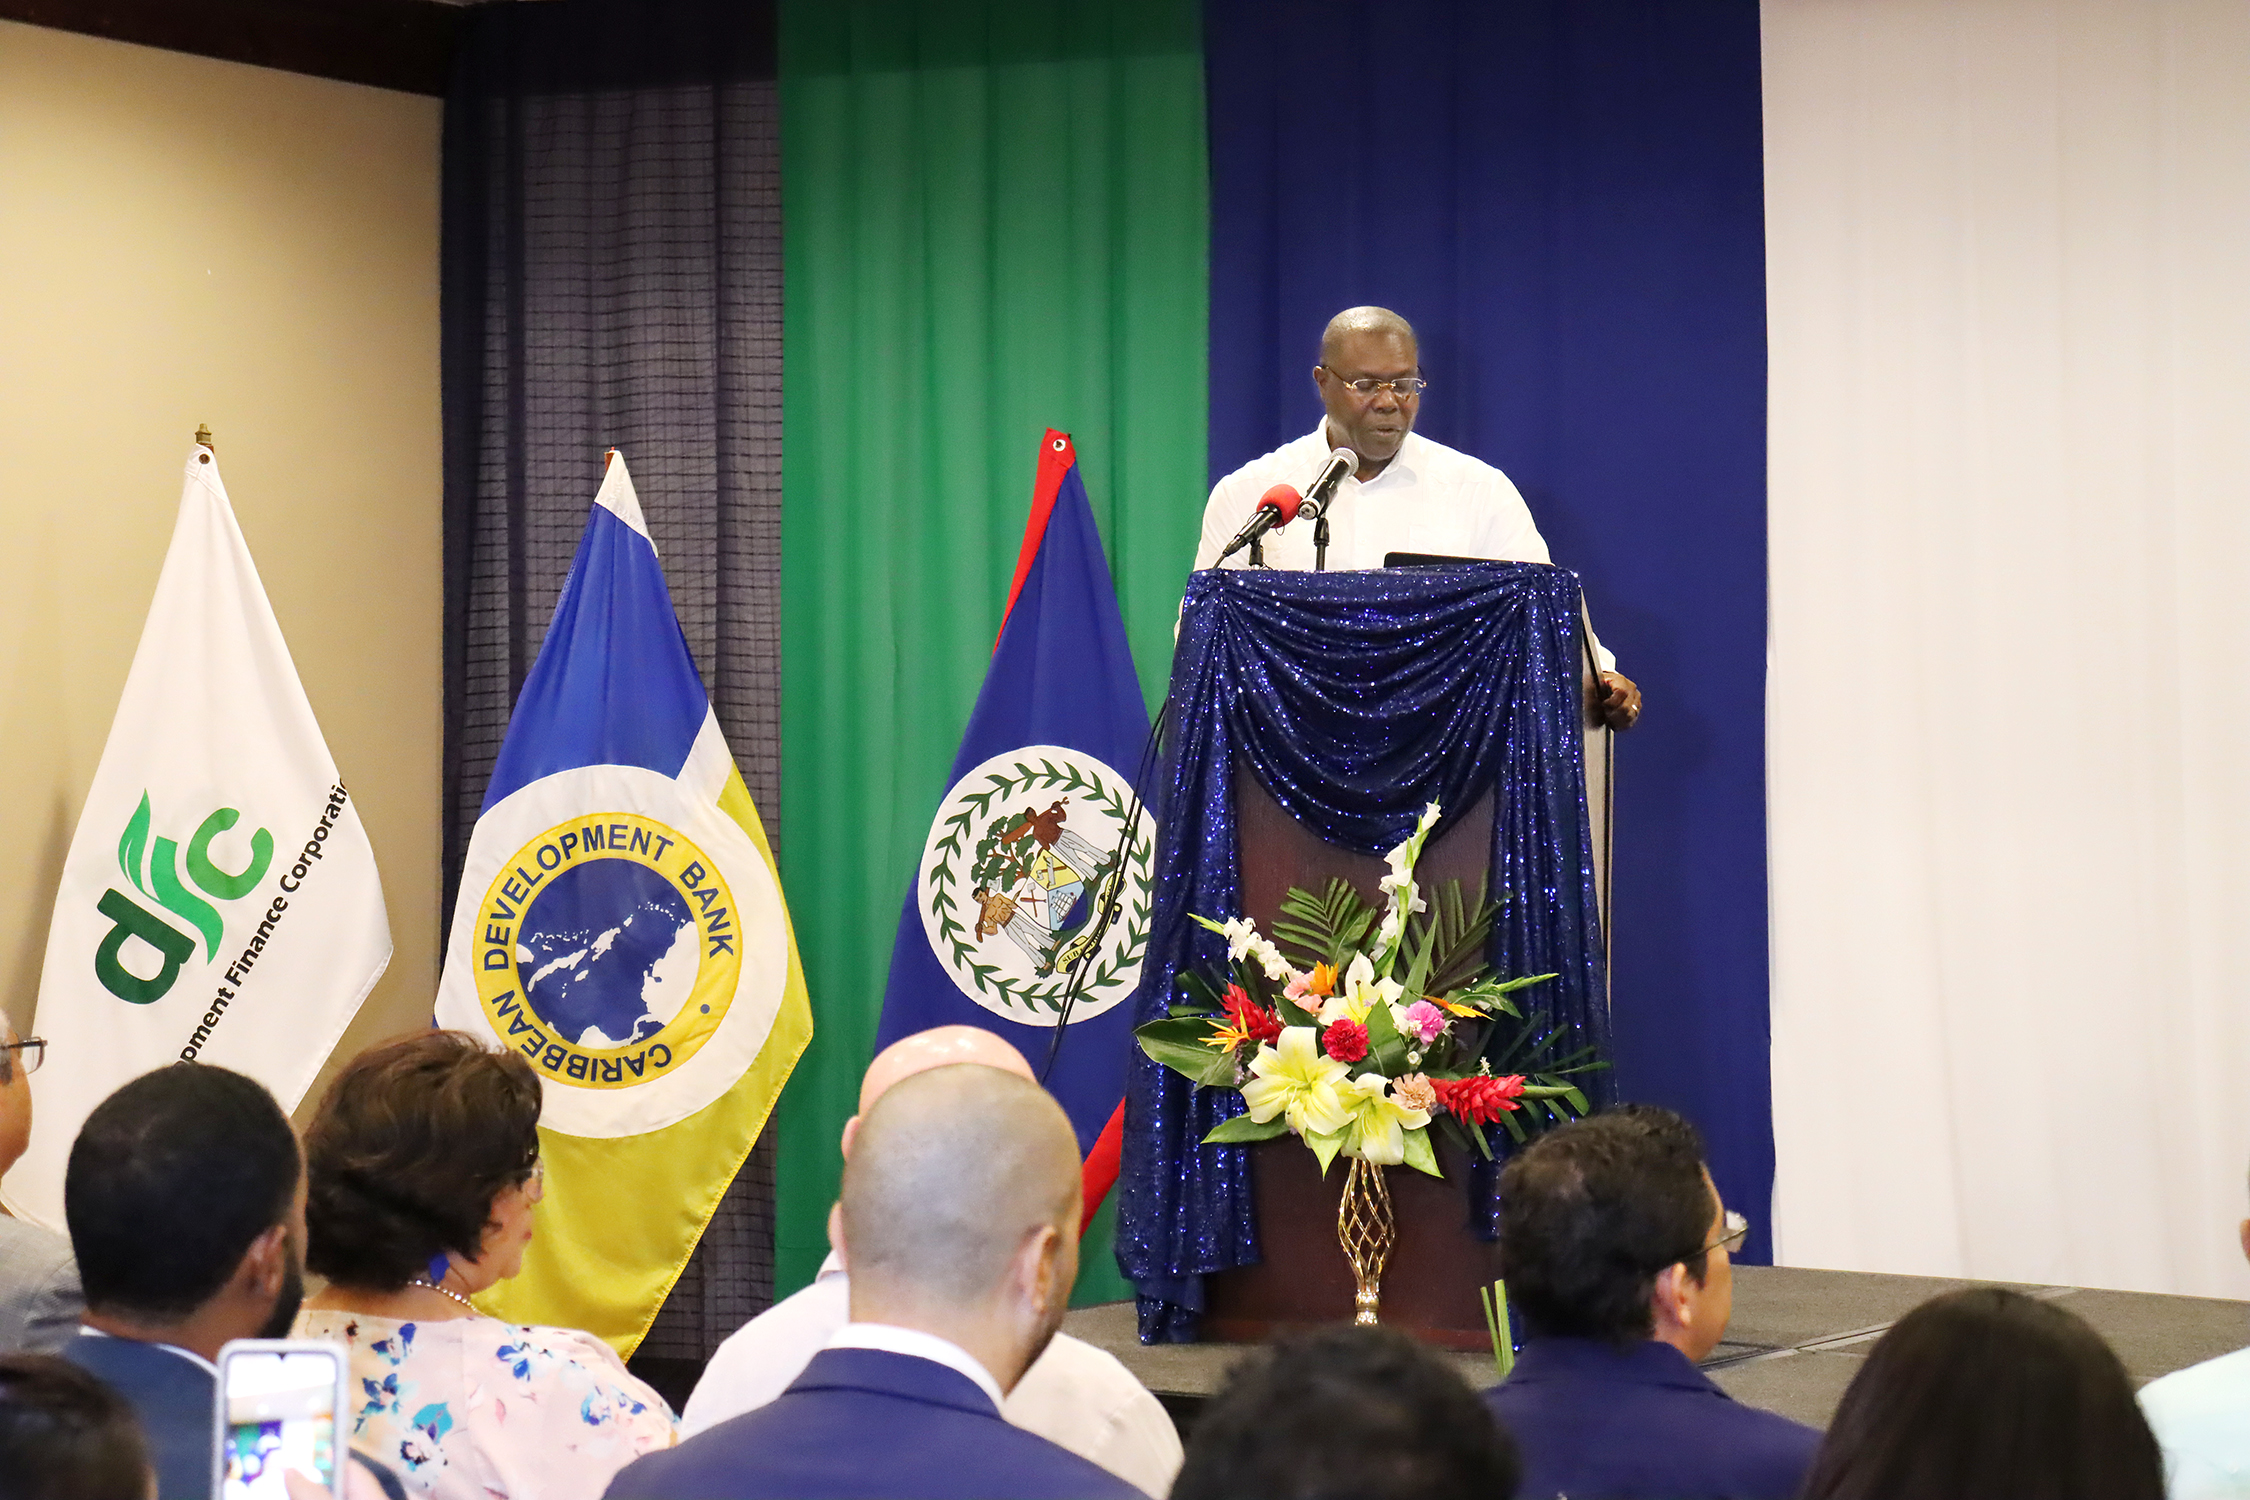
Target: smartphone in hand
{"points": [[280, 1402]]}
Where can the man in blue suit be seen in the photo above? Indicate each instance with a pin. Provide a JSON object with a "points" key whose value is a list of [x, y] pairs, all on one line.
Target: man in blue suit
{"points": [[959, 1223], [1614, 1244], [185, 1197]]}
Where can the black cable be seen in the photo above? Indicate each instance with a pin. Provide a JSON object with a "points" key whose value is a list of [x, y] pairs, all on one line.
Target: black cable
{"points": [[1114, 895]]}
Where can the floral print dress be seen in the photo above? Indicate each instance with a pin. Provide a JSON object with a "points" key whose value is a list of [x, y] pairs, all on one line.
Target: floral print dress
{"points": [[474, 1408]]}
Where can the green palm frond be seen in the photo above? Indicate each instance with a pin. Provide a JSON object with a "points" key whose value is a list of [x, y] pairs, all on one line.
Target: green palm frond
{"points": [[1326, 929], [1453, 933]]}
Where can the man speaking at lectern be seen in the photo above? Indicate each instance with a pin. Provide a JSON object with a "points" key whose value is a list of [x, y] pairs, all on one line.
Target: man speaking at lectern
{"points": [[1410, 494]]}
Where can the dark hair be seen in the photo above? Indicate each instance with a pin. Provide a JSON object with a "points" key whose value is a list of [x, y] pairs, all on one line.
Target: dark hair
{"points": [[66, 1436], [1592, 1212], [412, 1143], [170, 1181], [1364, 1413], [1988, 1392]]}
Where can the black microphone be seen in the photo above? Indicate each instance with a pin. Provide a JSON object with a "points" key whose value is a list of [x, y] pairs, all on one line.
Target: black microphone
{"points": [[1277, 507], [1341, 463]]}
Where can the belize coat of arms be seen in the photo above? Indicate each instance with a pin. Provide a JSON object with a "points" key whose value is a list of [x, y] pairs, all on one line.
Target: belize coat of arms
{"points": [[1027, 854]]}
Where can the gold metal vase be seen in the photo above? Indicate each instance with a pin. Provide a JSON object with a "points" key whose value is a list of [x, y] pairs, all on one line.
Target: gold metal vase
{"points": [[1364, 1227]]}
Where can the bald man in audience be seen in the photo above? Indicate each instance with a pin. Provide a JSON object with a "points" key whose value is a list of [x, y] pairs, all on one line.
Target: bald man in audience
{"points": [[959, 1221], [1073, 1394]]}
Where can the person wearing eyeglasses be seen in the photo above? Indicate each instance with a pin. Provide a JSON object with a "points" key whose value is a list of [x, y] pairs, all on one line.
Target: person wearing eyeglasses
{"points": [[1615, 1247], [39, 1297], [1410, 494]]}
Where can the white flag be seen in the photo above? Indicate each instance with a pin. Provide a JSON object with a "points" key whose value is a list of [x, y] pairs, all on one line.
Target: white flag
{"points": [[220, 902]]}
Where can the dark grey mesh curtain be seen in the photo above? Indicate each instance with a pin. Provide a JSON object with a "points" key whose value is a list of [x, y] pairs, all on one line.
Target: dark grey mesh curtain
{"points": [[612, 276]]}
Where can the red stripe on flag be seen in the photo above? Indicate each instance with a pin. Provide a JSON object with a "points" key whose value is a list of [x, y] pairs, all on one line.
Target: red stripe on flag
{"points": [[1056, 455], [1100, 1171]]}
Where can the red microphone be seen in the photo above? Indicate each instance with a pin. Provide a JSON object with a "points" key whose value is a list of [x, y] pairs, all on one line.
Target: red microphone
{"points": [[1277, 507], [1283, 498]]}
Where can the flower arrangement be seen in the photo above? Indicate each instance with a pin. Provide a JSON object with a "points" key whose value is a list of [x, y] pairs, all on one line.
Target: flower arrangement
{"points": [[1387, 1031]]}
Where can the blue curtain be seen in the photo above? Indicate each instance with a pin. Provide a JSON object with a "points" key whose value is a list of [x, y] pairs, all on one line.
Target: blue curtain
{"points": [[1565, 197], [1357, 698]]}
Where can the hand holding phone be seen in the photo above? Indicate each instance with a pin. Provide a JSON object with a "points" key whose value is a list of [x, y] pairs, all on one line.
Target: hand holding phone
{"points": [[279, 1404]]}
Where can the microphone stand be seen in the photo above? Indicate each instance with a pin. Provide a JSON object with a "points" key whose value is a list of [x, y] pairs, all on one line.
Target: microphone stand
{"points": [[1320, 540]]}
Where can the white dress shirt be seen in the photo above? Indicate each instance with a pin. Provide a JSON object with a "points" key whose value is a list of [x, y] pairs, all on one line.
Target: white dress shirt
{"points": [[2201, 1418], [1429, 498], [1074, 1395]]}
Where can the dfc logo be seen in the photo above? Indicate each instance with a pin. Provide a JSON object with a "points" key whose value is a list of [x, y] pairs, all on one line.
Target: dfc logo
{"points": [[155, 869]]}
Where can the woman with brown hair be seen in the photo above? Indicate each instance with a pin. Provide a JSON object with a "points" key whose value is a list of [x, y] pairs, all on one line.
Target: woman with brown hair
{"points": [[422, 1173], [1987, 1393]]}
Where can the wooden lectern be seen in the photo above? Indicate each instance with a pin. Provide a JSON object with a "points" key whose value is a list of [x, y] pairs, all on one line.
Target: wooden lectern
{"points": [[1437, 1263]]}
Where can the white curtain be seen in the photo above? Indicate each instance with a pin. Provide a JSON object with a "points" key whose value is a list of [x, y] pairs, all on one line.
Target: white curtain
{"points": [[2009, 287]]}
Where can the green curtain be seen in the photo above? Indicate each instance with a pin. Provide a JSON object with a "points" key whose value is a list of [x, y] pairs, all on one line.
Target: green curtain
{"points": [[995, 221]]}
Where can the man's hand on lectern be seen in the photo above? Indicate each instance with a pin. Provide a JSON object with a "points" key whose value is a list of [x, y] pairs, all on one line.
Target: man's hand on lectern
{"points": [[1618, 701]]}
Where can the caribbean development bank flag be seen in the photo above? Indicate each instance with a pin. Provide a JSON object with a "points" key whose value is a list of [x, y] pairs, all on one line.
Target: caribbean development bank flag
{"points": [[220, 901], [620, 925], [1032, 838]]}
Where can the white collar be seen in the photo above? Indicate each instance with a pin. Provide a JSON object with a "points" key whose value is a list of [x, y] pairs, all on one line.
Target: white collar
{"points": [[187, 1354], [1401, 461], [892, 1339], [832, 1266]]}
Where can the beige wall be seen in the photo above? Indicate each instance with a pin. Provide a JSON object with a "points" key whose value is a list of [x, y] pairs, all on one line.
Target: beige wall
{"points": [[186, 241]]}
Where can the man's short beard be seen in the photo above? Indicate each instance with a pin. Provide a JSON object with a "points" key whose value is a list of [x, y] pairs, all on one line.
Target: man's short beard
{"points": [[286, 1302]]}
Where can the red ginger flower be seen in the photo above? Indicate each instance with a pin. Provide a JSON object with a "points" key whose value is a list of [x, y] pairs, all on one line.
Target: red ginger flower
{"points": [[1479, 1098], [1249, 1017], [1345, 1041]]}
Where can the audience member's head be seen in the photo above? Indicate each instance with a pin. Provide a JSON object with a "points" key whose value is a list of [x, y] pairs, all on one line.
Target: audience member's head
{"points": [[1611, 1229], [938, 1047], [66, 1436], [184, 1197], [1988, 1392], [15, 1097], [1342, 1413], [424, 1157], [960, 1213]]}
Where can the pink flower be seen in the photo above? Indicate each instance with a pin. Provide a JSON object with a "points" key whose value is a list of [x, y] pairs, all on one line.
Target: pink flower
{"points": [[1345, 1041], [1425, 1021]]}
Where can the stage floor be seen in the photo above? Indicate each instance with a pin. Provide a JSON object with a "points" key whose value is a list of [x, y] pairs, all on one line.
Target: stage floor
{"points": [[1797, 1337]]}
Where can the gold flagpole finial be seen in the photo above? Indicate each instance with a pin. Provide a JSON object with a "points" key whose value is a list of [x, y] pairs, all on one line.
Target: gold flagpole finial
{"points": [[203, 434]]}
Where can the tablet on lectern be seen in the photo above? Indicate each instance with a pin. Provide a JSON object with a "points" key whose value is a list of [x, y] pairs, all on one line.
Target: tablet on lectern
{"points": [[1431, 560]]}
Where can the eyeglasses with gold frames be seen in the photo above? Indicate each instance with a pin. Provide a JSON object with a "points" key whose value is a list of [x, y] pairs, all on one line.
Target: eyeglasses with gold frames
{"points": [[1406, 387]]}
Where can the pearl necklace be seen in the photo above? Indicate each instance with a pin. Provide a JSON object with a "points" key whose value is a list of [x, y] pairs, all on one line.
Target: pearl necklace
{"points": [[444, 1292]]}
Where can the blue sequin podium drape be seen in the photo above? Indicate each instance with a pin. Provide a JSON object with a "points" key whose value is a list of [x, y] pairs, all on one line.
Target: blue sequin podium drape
{"points": [[1356, 698]]}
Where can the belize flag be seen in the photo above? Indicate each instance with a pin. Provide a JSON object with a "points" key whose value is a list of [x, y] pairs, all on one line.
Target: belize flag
{"points": [[620, 924], [1039, 834]]}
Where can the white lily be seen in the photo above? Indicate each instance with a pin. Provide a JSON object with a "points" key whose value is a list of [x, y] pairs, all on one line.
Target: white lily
{"points": [[1359, 992], [1377, 1126], [1296, 1079]]}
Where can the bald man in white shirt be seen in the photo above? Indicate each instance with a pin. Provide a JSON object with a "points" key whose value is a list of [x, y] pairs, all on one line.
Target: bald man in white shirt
{"points": [[1410, 495], [1074, 1394]]}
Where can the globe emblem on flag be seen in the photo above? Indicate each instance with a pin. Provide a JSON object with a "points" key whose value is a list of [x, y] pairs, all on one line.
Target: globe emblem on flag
{"points": [[608, 950], [1028, 854]]}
